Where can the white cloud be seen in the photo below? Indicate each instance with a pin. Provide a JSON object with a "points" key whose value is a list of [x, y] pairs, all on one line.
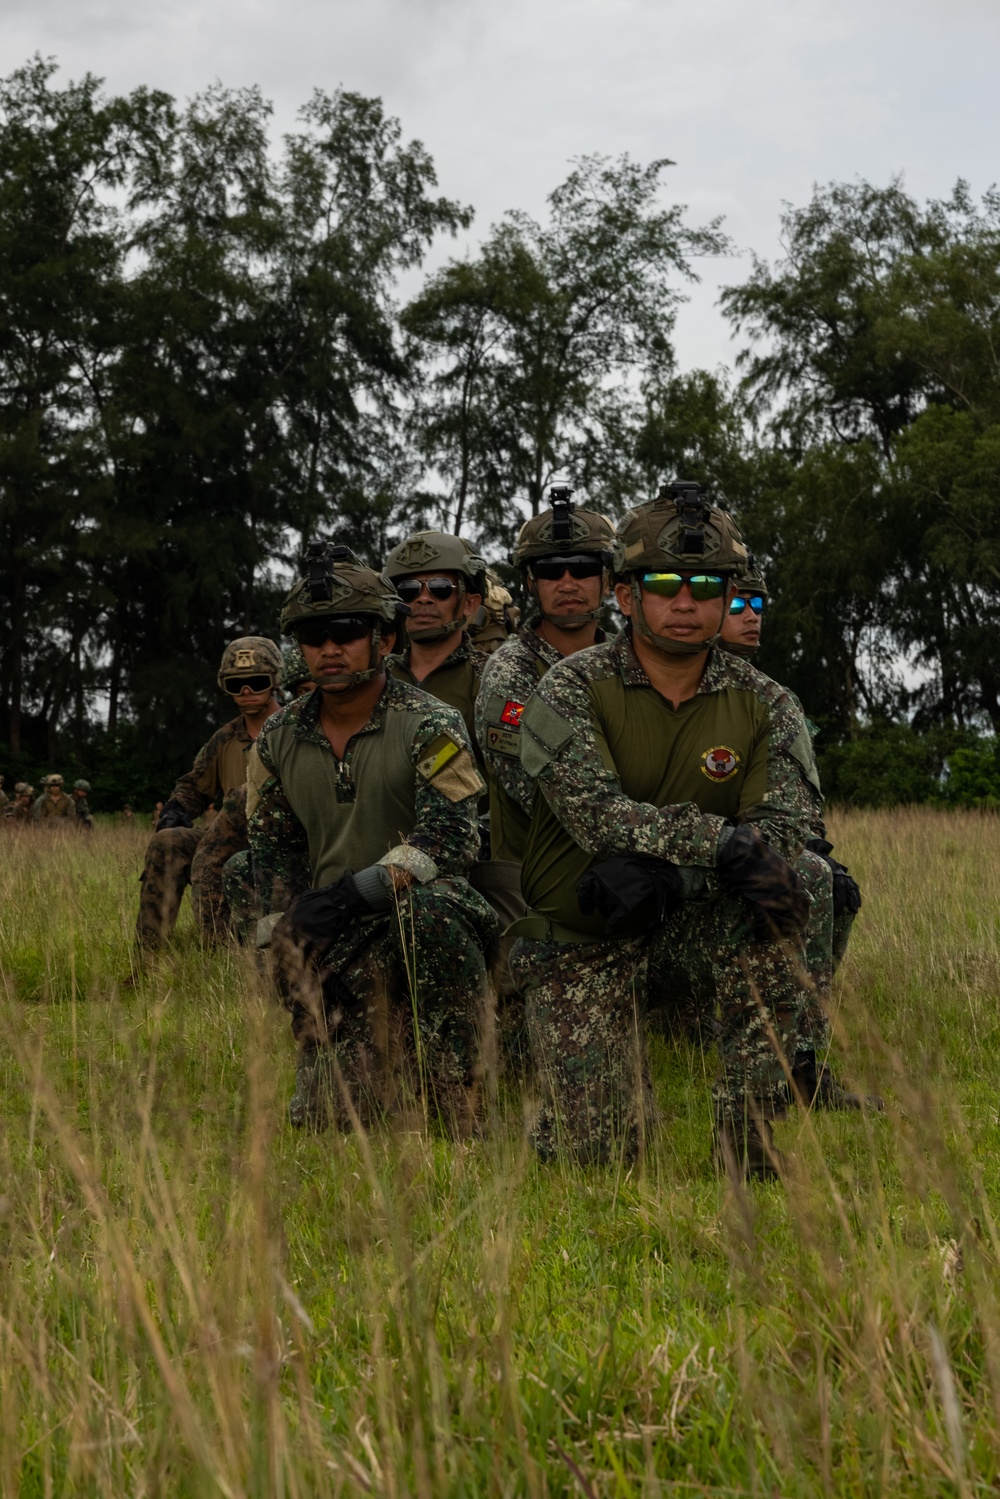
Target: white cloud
{"points": [[755, 100]]}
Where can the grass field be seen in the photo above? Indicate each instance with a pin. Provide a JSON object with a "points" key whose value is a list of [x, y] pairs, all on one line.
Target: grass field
{"points": [[194, 1299]]}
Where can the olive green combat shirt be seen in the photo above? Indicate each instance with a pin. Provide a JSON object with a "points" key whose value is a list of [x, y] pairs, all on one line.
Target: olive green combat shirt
{"points": [[455, 682], [406, 779], [623, 772]]}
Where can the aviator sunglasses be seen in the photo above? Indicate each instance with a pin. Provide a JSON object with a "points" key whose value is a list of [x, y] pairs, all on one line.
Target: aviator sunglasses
{"points": [[235, 685], [579, 565], [410, 589], [340, 628], [740, 602], [668, 585]]}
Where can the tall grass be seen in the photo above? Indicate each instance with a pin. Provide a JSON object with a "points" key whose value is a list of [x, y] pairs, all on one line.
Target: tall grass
{"points": [[194, 1299]]}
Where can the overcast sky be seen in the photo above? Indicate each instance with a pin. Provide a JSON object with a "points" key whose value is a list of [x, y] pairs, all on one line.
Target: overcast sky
{"points": [[755, 100]]}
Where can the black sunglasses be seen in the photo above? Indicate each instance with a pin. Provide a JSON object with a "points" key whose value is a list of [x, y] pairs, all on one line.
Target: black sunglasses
{"points": [[340, 628], [740, 602], [579, 565], [410, 589], [235, 685], [668, 585]]}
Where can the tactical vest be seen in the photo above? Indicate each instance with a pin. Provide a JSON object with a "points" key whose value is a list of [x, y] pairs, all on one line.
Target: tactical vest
{"points": [[712, 750], [356, 809]]}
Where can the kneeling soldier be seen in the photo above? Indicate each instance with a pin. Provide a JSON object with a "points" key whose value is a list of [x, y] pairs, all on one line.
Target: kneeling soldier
{"points": [[676, 785], [362, 802]]}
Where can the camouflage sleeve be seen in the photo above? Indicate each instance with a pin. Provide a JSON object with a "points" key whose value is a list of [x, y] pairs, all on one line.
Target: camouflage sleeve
{"points": [[566, 752], [792, 808], [448, 787], [505, 689], [278, 840], [201, 785]]}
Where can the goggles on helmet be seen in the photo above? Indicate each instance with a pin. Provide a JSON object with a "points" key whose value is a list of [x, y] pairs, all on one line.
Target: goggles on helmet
{"points": [[340, 628], [578, 564], [668, 585]]}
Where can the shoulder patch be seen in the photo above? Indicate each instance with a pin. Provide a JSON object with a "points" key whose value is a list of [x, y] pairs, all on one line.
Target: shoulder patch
{"points": [[802, 750], [546, 725], [450, 769]]}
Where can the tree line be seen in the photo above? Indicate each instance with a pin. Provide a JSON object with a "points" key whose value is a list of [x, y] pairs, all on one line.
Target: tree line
{"points": [[206, 359]]}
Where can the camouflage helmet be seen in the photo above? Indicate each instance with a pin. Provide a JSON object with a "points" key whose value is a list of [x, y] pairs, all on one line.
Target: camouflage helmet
{"points": [[428, 551], [750, 578], [681, 530], [294, 670], [563, 530], [21, 787], [497, 617], [336, 583], [81, 786], [249, 655], [53, 780]]}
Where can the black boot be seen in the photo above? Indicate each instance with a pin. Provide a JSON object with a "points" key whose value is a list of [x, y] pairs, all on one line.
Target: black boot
{"points": [[745, 1148], [819, 1089]]}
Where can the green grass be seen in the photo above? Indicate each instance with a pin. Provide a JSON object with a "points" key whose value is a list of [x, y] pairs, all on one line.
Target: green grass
{"points": [[194, 1299]]}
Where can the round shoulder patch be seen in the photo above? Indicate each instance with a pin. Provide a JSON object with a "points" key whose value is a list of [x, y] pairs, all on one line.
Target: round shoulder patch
{"points": [[720, 763]]}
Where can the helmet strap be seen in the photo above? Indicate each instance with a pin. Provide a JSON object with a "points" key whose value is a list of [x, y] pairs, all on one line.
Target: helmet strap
{"points": [[441, 632], [669, 647], [565, 621]]}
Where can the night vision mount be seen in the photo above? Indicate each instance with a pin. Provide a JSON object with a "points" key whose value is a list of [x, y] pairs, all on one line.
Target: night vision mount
{"points": [[694, 509], [561, 501], [320, 565]]}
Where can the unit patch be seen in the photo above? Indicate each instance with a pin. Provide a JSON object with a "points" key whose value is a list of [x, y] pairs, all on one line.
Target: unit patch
{"points": [[244, 659], [512, 714], [451, 770], [720, 763], [505, 741]]}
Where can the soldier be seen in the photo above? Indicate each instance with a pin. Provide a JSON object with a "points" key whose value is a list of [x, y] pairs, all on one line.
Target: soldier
{"points": [[21, 809], [81, 790], [443, 581], [362, 802], [295, 678], [826, 880], [676, 784], [178, 853], [564, 555], [53, 801], [497, 618], [4, 798]]}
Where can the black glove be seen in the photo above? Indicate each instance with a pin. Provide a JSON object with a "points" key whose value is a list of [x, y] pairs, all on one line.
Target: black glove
{"points": [[173, 816], [632, 893], [750, 867], [846, 890], [318, 915]]}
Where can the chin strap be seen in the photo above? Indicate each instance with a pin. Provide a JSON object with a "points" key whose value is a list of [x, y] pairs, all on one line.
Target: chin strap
{"points": [[357, 678], [567, 621], [441, 632], [672, 647]]}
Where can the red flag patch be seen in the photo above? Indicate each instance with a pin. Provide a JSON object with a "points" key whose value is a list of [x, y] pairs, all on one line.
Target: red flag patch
{"points": [[512, 713]]}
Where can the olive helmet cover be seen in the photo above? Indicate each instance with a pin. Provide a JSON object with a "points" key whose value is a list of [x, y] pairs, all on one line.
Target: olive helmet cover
{"points": [[679, 531], [250, 655], [294, 670], [83, 786], [750, 579]]}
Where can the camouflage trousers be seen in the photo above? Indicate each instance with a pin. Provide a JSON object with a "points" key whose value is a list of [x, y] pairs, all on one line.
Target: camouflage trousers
{"points": [[178, 857], [399, 1003], [241, 896], [586, 1004]]}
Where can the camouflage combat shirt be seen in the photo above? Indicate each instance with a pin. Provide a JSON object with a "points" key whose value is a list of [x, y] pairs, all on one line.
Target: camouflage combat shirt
{"points": [[455, 681], [52, 806], [510, 676], [407, 778], [219, 766], [621, 771]]}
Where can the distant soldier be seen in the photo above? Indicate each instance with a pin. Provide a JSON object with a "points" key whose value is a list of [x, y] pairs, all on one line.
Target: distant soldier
{"points": [[443, 581], [497, 617], [362, 803], [81, 790], [4, 798], [21, 809], [53, 802], [180, 854], [296, 680], [825, 879]]}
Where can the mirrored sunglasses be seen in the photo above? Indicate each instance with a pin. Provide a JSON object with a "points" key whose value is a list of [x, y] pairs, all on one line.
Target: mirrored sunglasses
{"points": [[740, 602], [258, 683], [668, 585], [579, 565], [340, 628], [410, 589]]}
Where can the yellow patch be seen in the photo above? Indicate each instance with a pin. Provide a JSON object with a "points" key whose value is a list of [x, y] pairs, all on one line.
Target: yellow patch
{"points": [[437, 758]]}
